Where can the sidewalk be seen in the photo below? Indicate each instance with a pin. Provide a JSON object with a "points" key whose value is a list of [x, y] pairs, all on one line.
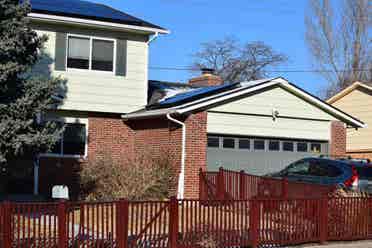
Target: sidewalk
{"points": [[354, 244]]}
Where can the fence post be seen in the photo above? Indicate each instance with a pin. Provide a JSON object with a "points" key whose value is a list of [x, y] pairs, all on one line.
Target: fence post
{"points": [[285, 188], [323, 220], [201, 185], [254, 220], [62, 231], [7, 225], [242, 185], [220, 184], [122, 218], [173, 222]]}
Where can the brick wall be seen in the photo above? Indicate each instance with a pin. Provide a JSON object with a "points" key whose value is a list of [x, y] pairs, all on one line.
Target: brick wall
{"points": [[126, 140], [338, 139], [159, 136], [105, 135]]}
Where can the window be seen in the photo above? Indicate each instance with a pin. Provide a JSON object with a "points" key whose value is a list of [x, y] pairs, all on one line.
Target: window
{"points": [[315, 147], [213, 142], [302, 147], [244, 144], [228, 143], [323, 170], [72, 142], [259, 144], [90, 53], [288, 146], [78, 53], [274, 145], [298, 168]]}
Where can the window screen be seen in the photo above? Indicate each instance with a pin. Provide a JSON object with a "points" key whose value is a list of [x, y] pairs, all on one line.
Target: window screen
{"points": [[213, 142], [259, 144], [244, 144], [228, 143], [78, 53], [103, 55]]}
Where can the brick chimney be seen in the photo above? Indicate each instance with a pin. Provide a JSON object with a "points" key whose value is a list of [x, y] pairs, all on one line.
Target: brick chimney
{"points": [[206, 79]]}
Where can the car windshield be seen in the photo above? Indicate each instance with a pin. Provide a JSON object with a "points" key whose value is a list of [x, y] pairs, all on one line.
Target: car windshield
{"points": [[311, 168]]}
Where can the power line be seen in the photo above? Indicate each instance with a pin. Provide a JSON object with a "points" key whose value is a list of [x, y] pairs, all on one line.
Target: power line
{"points": [[270, 71]]}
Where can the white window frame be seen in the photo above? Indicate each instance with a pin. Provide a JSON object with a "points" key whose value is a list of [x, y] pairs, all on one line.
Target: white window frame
{"points": [[71, 120], [91, 38]]}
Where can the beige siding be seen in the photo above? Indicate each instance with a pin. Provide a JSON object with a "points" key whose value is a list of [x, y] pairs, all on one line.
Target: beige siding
{"points": [[359, 104], [101, 92], [224, 123], [286, 103]]}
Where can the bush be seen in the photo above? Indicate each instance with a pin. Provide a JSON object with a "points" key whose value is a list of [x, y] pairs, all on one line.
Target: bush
{"points": [[141, 178]]}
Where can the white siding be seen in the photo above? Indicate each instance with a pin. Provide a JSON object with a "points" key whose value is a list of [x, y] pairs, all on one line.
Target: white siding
{"points": [[285, 102], [102, 92], [223, 123]]}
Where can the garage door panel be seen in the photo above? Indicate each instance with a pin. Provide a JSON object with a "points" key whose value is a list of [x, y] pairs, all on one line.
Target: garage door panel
{"points": [[223, 123], [259, 160]]}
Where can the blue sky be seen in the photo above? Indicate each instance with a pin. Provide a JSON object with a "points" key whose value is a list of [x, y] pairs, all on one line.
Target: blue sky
{"points": [[279, 23]]}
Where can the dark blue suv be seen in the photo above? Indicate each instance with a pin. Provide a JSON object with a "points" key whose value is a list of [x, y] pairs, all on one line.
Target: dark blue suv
{"points": [[320, 171]]}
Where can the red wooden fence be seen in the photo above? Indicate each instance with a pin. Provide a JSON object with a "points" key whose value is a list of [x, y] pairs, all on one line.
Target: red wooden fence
{"points": [[185, 223], [227, 184]]}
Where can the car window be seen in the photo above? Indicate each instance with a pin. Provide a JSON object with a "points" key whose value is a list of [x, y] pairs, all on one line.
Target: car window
{"points": [[364, 172], [298, 168], [318, 169]]}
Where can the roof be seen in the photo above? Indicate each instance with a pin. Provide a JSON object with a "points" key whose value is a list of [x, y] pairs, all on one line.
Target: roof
{"points": [[88, 10], [188, 102], [347, 90]]}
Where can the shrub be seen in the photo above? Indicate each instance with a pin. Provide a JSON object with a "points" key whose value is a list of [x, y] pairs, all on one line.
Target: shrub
{"points": [[141, 178]]}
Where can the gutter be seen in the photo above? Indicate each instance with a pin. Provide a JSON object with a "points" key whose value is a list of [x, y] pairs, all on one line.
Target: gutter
{"points": [[181, 179]]}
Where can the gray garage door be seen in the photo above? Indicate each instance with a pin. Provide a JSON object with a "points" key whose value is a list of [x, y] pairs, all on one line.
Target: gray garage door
{"points": [[259, 155]]}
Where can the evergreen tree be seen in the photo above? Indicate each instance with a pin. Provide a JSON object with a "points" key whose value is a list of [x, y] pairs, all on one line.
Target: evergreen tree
{"points": [[23, 96]]}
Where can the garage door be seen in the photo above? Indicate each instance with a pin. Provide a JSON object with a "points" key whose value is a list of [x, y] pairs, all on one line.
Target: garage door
{"points": [[259, 155]]}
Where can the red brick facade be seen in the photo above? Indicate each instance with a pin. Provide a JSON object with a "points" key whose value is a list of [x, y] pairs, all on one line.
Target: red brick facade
{"points": [[126, 139], [338, 139], [153, 136]]}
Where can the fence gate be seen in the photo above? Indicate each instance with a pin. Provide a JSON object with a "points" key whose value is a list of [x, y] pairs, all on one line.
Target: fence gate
{"points": [[148, 224]]}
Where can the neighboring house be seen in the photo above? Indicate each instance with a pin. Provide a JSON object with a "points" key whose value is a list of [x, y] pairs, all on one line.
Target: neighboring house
{"points": [[357, 100], [110, 106]]}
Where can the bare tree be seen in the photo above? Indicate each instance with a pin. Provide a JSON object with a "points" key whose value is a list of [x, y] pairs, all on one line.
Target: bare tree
{"points": [[339, 41], [236, 62]]}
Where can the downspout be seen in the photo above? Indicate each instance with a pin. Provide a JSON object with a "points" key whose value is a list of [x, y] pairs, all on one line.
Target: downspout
{"points": [[181, 179]]}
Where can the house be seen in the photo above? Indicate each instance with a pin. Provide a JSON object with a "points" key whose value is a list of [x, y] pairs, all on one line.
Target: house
{"points": [[110, 106], [357, 100]]}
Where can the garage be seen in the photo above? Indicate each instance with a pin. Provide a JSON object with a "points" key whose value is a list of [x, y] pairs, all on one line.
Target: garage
{"points": [[264, 130], [259, 155]]}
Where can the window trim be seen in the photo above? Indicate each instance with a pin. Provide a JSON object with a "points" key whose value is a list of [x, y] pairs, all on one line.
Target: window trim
{"points": [[91, 38], [71, 120]]}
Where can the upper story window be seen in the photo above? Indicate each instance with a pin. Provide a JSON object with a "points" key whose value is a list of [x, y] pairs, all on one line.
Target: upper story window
{"points": [[90, 53]]}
